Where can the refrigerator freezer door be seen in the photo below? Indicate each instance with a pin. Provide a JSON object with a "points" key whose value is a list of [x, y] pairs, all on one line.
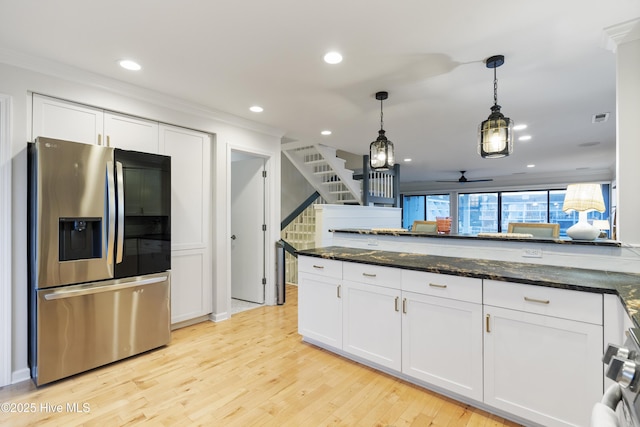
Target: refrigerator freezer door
{"points": [[71, 223], [82, 327]]}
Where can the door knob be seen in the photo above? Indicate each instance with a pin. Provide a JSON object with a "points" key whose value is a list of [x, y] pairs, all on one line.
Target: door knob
{"points": [[233, 237]]}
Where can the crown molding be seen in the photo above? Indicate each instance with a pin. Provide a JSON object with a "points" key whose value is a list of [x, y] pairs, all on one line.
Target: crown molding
{"points": [[624, 32], [77, 75]]}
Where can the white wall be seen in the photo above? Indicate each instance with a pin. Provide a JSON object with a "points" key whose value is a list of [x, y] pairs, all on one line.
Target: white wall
{"points": [[628, 130], [19, 80]]}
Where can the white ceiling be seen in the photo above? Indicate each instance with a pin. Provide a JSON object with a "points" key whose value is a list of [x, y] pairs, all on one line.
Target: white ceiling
{"points": [[227, 55]]}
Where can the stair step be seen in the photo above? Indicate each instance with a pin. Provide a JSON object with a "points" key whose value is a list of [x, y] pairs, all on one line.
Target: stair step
{"points": [[315, 162]]}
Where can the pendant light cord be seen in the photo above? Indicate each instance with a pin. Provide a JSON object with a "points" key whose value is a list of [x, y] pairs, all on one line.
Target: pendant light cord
{"points": [[381, 121], [495, 86]]}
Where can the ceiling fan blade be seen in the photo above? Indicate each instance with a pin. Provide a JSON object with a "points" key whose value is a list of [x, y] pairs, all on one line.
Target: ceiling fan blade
{"points": [[463, 179], [479, 180]]}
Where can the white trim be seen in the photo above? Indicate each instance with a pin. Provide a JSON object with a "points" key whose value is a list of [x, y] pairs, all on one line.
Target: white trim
{"points": [[5, 241]]}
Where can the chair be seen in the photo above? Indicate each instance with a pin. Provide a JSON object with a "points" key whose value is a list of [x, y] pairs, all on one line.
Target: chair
{"points": [[537, 229], [428, 226]]}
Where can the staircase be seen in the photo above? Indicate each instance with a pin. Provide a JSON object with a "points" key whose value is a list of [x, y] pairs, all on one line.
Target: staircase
{"points": [[299, 233], [325, 172]]}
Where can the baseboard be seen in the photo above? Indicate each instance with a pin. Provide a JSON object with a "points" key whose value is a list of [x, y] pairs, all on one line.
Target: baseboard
{"points": [[189, 322], [20, 375]]}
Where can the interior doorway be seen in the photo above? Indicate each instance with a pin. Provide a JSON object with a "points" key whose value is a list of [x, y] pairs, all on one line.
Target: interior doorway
{"points": [[248, 228]]}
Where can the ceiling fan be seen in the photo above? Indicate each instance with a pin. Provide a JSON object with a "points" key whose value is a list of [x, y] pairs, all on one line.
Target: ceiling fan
{"points": [[464, 179]]}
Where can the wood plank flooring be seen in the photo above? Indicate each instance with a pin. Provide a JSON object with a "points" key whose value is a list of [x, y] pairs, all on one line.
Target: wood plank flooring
{"points": [[251, 370]]}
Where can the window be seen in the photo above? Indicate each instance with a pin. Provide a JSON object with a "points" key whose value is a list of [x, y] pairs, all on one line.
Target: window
{"points": [[524, 206], [492, 212], [477, 213], [424, 207]]}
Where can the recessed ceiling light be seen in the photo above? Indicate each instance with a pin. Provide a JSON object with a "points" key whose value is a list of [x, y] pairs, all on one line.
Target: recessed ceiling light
{"points": [[407, 160], [130, 65], [256, 109], [326, 132], [524, 138], [531, 166], [333, 58], [519, 127]]}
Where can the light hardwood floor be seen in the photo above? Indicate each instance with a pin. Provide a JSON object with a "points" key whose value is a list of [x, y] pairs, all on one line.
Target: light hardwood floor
{"points": [[250, 370]]}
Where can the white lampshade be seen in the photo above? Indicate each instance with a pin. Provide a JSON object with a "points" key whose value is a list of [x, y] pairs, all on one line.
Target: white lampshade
{"points": [[583, 198]]}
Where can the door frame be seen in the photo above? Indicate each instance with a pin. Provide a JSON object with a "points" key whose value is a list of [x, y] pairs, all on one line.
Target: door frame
{"points": [[241, 158], [269, 256], [6, 324]]}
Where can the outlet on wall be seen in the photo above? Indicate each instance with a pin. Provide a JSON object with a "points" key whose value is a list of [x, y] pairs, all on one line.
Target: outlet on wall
{"points": [[532, 253]]}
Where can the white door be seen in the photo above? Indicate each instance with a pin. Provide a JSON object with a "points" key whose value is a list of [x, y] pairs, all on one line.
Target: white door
{"points": [[542, 368], [247, 234], [442, 343]]}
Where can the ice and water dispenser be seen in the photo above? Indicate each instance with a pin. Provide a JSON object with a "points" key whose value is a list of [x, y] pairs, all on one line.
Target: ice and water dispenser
{"points": [[80, 238]]}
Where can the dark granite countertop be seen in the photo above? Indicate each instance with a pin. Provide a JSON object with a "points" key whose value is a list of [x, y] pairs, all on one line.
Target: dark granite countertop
{"points": [[625, 285], [497, 236]]}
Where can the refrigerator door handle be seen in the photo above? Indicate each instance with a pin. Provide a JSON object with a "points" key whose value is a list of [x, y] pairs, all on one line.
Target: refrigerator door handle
{"points": [[89, 289], [111, 220], [120, 240]]}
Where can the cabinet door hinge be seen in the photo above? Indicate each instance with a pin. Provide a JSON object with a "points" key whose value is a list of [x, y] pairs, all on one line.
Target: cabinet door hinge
{"points": [[264, 280], [264, 227], [264, 174]]}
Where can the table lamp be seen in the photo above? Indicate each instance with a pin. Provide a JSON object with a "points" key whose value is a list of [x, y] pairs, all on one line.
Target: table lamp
{"points": [[583, 198]]}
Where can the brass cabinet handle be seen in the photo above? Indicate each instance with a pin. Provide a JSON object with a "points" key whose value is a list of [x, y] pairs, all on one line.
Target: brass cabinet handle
{"points": [[99, 139], [435, 285], [108, 141], [368, 275], [318, 266], [404, 305], [540, 301], [338, 290], [396, 303], [487, 323]]}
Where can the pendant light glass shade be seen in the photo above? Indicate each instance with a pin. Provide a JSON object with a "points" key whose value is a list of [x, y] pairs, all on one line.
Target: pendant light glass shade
{"points": [[381, 152], [381, 155], [495, 135]]}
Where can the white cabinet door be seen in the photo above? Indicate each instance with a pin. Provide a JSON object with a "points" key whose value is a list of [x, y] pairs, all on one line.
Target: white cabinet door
{"points": [[130, 133], [542, 368], [320, 308], [54, 118], [372, 323], [191, 284], [442, 343]]}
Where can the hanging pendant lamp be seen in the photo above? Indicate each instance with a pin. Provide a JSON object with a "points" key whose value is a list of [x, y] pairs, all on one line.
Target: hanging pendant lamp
{"points": [[495, 135], [381, 150]]}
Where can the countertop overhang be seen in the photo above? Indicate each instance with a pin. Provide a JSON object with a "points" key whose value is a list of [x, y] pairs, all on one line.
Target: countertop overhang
{"points": [[495, 237], [625, 285]]}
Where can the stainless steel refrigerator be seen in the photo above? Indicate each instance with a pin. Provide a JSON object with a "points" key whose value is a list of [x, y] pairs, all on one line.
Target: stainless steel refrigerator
{"points": [[99, 231]]}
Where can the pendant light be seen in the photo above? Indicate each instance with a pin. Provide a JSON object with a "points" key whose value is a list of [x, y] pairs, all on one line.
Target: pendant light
{"points": [[381, 150], [495, 135]]}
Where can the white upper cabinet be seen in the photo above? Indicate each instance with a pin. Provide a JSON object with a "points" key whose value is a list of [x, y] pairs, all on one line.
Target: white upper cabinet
{"points": [[54, 118], [130, 133], [58, 119]]}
